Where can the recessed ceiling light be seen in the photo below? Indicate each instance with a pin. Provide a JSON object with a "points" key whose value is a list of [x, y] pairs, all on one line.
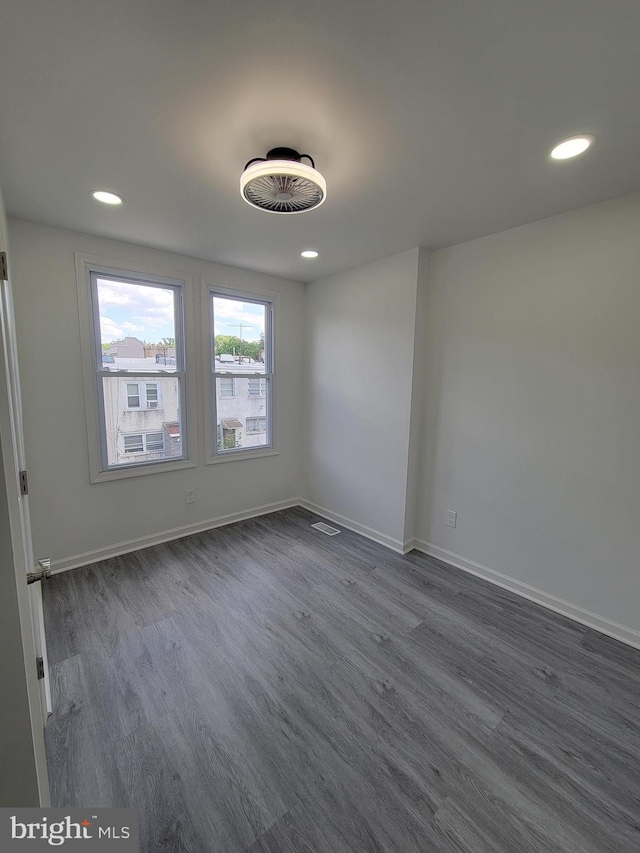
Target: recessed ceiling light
{"points": [[106, 197], [309, 253], [572, 146]]}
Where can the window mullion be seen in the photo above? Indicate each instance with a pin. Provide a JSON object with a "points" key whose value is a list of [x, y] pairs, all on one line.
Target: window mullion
{"points": [[241, 375]]}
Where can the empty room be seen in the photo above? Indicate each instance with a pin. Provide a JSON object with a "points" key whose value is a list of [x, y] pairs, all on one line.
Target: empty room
{"points": [[319, 425]]}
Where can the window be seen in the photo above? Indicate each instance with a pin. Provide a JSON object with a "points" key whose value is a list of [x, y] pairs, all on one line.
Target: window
{"points": [[151, 393], [143, 395], [152, 442], [137, 350], [257, 387], [226, 387], [242, 374], [133, 396], [133, 444]]}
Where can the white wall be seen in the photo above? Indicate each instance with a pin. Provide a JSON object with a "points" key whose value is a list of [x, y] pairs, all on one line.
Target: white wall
{"points": [[524, 345], [360, 329], [21, 745], [70, 515], [532, 429], [418, 394]]}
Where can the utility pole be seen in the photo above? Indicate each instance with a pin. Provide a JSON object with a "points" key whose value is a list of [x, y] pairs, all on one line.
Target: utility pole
{"points": [[241, 326]]}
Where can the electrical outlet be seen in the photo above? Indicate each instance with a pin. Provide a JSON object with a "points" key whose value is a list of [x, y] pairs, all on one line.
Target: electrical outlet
{"points": [[451, 518], [190, 496]]}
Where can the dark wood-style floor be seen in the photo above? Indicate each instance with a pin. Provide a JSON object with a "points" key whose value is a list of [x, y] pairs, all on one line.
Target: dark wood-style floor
{"points": [[265, 688]]}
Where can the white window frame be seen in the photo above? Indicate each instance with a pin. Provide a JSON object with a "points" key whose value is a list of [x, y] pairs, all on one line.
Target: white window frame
{"points": [[143, 395], [88, 267], [157, 401], [233, 386], [257, 418], [130, 436], [213, 371], [262, 386], [143, 438]]}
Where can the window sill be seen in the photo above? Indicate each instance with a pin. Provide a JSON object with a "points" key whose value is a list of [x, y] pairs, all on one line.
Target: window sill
{"points": [[142, 470], [232, 456]]}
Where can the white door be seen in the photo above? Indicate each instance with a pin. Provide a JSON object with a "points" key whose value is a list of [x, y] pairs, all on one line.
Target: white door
{"points": [[19, 518], [26, 552]]}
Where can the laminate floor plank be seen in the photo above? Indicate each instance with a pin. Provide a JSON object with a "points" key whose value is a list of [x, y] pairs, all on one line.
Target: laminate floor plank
{"points": [[127, 687], [567, 784], [265, 688], [62, 618], [502, 804], [493, 830], [326, 709], [77, 741], [154, 779], [103, 619]]}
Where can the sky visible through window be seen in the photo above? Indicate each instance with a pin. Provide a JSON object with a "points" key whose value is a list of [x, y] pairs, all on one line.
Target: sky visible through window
{"points": [[135, 310], [147, 313], [244, 320]]}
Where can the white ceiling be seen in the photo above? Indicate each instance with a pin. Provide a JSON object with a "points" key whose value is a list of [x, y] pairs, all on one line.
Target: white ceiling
{"points": [[430, 119]]}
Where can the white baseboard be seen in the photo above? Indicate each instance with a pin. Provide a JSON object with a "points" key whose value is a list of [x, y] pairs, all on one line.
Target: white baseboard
{"points": [[126, 547], [411, 545], [592, 620], [368, 532]]}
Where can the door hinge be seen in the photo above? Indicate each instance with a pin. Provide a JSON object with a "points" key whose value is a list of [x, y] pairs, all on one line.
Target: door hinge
{"points": [[40, 667], [24, 484], [4, 267], [43, 574]]}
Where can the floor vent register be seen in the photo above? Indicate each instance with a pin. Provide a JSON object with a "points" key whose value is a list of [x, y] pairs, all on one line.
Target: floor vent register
{"points": [[325, 528]]}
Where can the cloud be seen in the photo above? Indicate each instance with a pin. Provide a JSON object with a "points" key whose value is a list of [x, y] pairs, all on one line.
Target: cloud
{"points": [[135, 309], [139, 295], [111, 294], [110, 330], [229, 313], [154, 318], [159, 296]]}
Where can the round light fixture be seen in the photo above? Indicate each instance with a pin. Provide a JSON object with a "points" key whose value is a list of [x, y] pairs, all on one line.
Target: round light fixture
{"points": [[572, 146], [107, 197], [309, 253], [282, 183]]}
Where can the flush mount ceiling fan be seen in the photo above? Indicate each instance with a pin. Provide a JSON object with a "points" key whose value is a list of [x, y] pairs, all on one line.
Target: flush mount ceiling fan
{"points": [[282, 183]]}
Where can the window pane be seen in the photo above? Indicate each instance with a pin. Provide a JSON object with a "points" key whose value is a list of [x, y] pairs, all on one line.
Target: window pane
{"points": [[241, 419], [142, 433], [226, 387], [152, 395], [241, 345], [137, 326], [154, 441], [133, 444], [256, 387], [133, 397], [238, 333]]}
